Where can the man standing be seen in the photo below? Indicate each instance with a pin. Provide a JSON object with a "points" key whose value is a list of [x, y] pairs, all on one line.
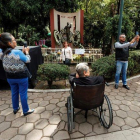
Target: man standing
{"points": [[122, 54]]}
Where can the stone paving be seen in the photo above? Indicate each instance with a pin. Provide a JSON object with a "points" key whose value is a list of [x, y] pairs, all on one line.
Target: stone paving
{"points": [[49, 121], [131, 134]]}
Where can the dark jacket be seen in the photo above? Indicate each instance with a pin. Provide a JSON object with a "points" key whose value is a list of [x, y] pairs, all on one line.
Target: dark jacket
{"points": [[122, 54], [90, 80]]}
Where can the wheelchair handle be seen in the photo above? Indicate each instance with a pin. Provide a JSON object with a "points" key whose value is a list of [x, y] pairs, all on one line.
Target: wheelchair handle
{"points": [[106, 84]]}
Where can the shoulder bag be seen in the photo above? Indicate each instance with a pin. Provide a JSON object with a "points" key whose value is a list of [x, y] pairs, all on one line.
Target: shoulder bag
{"points": [[67, 60]]}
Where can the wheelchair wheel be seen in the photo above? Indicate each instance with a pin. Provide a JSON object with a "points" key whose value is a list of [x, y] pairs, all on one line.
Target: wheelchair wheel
{"points": [[70, 114], [106, 112]]}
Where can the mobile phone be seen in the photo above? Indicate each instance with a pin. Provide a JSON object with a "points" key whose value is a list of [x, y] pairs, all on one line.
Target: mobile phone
{"points": [[137, 33], [25, 44]]}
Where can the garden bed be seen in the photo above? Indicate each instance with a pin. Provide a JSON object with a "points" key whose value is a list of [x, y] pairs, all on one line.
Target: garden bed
{"points": [[62, 84]]}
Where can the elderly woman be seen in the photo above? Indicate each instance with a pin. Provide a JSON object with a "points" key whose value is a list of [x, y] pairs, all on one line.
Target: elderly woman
{"points": [[16, 71], [82, 76]]}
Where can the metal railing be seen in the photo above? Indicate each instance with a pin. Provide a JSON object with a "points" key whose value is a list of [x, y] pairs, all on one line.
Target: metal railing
{"points": [[52, 55]]}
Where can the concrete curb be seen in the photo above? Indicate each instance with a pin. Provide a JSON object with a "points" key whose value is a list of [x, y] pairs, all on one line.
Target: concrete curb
{"points": [[48, 90], [64, 90], [111, 83]]}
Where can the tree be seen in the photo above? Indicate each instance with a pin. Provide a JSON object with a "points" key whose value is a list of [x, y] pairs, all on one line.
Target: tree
{"points": [[97, 17], [35, 13]]}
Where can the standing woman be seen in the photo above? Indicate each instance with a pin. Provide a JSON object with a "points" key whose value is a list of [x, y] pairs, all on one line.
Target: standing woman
{"points": [[66, 54], [16, 71]]}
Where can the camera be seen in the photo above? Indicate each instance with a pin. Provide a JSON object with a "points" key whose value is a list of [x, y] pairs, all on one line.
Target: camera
{"points": [[25, 44]]}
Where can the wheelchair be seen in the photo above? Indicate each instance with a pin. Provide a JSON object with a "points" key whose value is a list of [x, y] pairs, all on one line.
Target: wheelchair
{"points": [[89, 97]]}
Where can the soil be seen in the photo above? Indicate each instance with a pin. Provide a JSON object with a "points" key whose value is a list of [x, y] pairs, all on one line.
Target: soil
{"points": [[62, 84]]}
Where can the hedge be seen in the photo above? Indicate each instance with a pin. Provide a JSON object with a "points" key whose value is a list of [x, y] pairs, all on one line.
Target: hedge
{"points": [[107, 65], [51, 72]]}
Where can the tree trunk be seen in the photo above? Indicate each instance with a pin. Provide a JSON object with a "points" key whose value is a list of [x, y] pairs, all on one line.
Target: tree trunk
{"points": [[86, 5], [17, 32], [112, 44], [4, 28], [118, 9], [103, 48], [50, 83]]}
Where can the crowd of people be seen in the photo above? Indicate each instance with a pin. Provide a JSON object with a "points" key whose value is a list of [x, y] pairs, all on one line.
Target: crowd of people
{"points": [[17, 73]]}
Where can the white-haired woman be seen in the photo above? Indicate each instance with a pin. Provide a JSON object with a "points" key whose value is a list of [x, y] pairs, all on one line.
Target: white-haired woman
{"points": [[82, 76]]}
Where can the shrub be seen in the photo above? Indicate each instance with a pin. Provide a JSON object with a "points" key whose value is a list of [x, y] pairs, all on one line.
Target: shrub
{"points": [[106, 65], [134, 63], [51, 72]]}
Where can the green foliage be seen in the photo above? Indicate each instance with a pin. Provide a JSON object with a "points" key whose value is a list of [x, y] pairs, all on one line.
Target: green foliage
{"points": [[51, 72], [100, 18], [35, 13], [51, 57], [106, 65], [112, 26], [94, 21], [134, 63], [29, 34]]}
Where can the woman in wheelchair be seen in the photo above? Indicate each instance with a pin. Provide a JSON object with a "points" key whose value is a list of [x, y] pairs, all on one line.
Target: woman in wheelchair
{"points": [[87, 93], [82, 76]]}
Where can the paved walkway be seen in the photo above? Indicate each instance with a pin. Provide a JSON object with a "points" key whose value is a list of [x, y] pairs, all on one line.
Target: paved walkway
{"points": [[49, 121]]}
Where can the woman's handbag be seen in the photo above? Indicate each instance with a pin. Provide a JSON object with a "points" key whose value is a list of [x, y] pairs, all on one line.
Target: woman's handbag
{"points": [[67, 61]]}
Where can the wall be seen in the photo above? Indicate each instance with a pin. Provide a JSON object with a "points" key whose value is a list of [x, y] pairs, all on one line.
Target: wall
{"points": [[66, 17]]}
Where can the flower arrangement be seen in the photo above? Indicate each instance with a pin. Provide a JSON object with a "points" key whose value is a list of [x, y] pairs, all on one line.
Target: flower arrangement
{"points": [[58, 53]]}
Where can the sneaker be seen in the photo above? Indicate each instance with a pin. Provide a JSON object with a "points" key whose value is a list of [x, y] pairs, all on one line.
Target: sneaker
{"points": [[116, 86], [125, 86], [29, 112], [15, 111]]}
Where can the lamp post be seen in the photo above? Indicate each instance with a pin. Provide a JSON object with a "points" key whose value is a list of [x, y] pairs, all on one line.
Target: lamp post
{"points": [[120, 18]]}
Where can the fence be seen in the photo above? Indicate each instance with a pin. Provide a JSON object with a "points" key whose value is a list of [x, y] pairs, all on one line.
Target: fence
{"points": [[52, 55]]}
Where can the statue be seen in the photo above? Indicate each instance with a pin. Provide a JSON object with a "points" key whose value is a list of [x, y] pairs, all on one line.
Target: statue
{"points": [[67, 30]]}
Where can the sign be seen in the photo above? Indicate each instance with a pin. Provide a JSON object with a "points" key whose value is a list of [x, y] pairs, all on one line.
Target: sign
{"points": [[79, 51]]}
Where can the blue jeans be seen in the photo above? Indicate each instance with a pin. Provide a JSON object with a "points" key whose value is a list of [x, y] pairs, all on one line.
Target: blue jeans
{"points": [[19, 86], [121, 67]]}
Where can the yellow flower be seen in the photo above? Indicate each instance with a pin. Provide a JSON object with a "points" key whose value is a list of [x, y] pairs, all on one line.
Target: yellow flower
{"points": [[58, 53]]}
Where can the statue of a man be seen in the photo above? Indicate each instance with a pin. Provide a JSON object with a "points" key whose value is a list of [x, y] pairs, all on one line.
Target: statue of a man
{"points": [[67, 30]]}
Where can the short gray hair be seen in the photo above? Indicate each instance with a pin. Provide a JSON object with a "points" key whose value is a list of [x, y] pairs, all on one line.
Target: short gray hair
{"points": [[80, 68]]}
